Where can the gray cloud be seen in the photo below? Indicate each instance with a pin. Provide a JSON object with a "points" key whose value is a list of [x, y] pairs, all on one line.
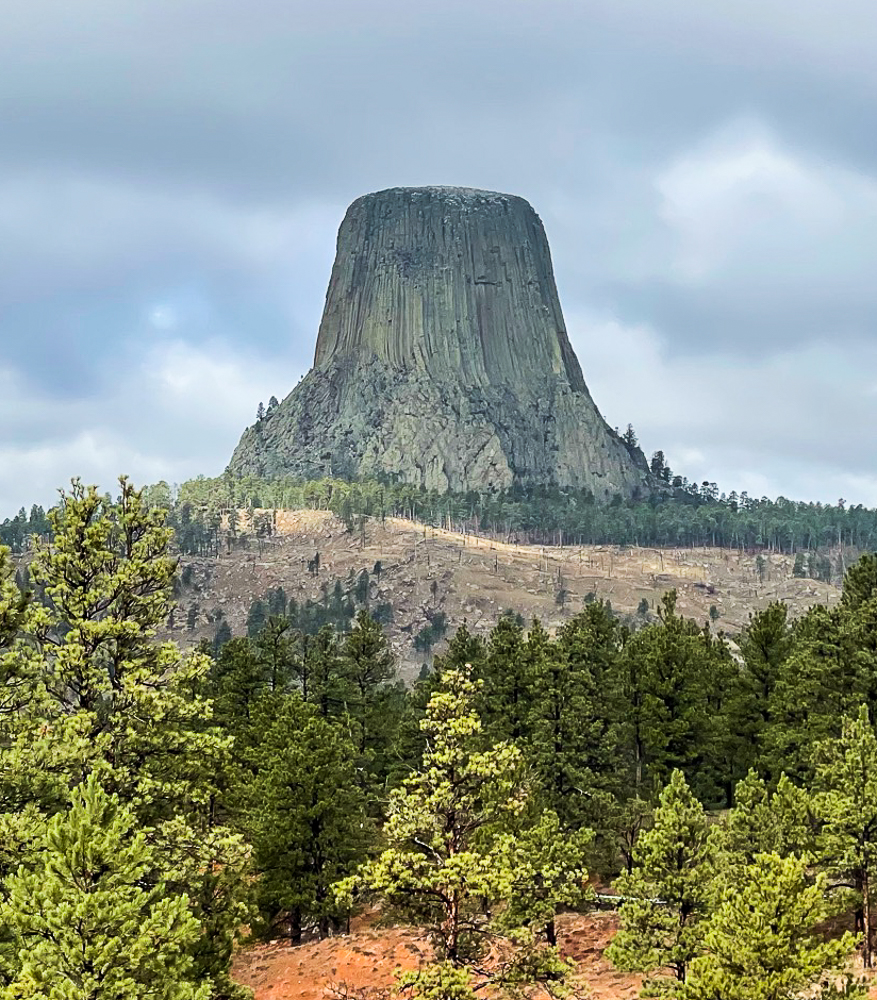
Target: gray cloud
{"points": [[173, 173]]}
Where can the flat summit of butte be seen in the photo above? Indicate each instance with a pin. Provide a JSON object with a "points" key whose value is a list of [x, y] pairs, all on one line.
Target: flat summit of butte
{"points": [[442, 359]]}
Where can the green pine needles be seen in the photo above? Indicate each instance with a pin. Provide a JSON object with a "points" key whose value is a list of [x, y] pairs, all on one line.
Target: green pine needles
{"points": [[667, 894], [103, 730], [733, 910], [462, 861], [92, 918], [763, 940]]}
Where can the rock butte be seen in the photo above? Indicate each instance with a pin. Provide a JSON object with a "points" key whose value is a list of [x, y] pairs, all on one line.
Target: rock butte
{"points": [[442, 359]]}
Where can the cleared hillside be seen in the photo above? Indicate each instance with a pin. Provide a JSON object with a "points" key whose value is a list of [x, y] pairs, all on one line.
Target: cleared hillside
{"points": [[470, 578]]}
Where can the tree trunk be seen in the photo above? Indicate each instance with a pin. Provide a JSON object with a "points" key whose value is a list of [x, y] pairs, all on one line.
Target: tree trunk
{"points": [[859, 913], [453, 926]]}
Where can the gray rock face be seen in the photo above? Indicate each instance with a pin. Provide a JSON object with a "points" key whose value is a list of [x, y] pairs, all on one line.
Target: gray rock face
{"points": [[442, 358]]}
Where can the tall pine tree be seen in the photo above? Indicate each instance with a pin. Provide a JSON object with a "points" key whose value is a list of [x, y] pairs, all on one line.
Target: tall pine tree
{"points": [[453, 861], [300, 804], [764, 941], [91, 919], [574, 717], [846, 776], [677, 677], [668, 892], [100, 695]]}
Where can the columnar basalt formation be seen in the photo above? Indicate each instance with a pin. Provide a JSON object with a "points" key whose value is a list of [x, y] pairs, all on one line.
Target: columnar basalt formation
{"points": [[442, 359]]}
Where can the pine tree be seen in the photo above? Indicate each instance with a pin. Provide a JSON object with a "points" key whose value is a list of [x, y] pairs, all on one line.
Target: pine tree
{"points": [[375, 705], [574, 744], [765, 645], [221, 638], [678, 678], [846, 776], [233, 525], [823, 679], [860, 583], [549, 865], [113, 698], [237, 679], [304, 813], [93, 918], [20, 663], [464, 648], [278, 646], [668, 893], [629, 820], [504, 696], [453, 858], [14, 603], [780, 822], [858, 631], [658, 464], [629, 438], [278, 602], [763, 942], [321, 675], [20, 671], [257, 616], [104, 697], [463, 790]]}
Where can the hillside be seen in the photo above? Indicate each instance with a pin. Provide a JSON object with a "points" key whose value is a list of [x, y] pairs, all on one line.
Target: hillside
{"points": [[583, 727], [470, 578], [366, 959]]}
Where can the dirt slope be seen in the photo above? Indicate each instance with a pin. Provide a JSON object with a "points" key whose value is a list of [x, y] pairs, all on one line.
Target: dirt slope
{"points": [[368, 957], [473, 579]]}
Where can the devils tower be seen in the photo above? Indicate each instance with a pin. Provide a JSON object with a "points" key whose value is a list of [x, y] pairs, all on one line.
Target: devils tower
{"points": [[442, 359]]}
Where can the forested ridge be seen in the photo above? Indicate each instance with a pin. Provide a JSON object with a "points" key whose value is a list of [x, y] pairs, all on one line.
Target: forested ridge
{"points": [[155, 803], [678, 514], [686, 514]]}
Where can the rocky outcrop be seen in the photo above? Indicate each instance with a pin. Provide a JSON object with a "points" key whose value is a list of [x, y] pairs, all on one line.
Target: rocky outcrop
{"points": [[442, 358]]}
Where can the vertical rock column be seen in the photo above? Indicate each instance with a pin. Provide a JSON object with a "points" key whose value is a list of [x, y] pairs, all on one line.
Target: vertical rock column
{"points": [[442, 358]]}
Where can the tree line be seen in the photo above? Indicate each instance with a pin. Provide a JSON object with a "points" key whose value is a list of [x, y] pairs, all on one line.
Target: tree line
{"points": [[679, 514], [156, 802], [684, 514]]}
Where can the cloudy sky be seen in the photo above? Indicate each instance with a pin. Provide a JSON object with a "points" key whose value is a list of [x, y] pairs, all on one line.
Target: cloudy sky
{"points": [[173, 173]]}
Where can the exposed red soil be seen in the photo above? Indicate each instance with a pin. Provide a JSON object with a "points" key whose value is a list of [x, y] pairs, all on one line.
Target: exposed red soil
{"points": [[368, 957]]}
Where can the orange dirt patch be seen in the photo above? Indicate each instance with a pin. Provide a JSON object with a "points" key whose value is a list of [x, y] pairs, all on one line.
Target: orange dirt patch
{"points": [[368, 958], [585, 938], [362, 959]]}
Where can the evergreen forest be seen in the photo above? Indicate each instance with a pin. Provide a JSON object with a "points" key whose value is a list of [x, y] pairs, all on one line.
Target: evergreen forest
{"points": [[678, 514], [160, 807]]}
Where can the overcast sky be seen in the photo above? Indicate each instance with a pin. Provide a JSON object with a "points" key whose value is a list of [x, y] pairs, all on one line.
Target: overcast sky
{"points": [[173, 173]]}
